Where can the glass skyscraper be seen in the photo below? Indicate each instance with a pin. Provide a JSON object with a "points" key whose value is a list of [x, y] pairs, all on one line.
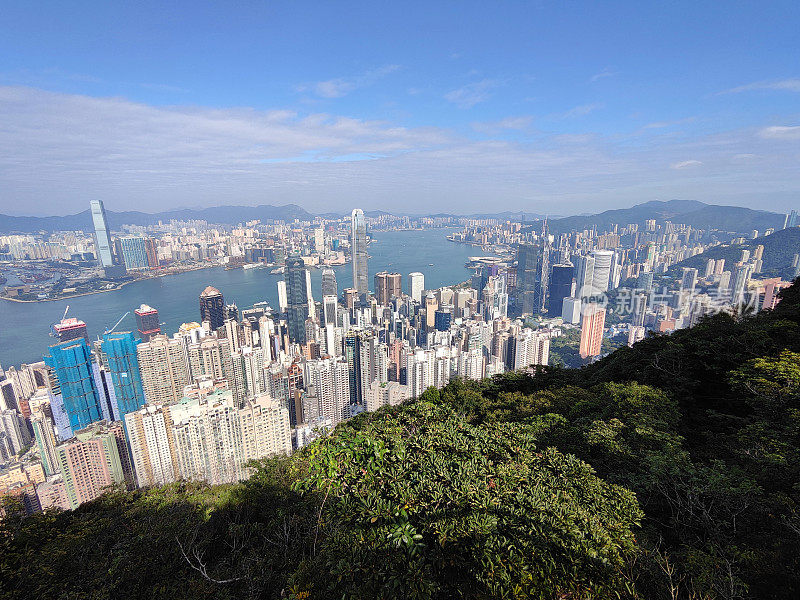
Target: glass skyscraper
{"points": [[296, 298], [358, 250], [101, 234]]}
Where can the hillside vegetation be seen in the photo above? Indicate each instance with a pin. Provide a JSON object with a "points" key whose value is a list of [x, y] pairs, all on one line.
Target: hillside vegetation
{"points": [[667, 470]]}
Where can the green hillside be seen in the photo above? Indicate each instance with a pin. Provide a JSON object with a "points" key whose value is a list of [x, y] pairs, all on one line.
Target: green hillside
{"points": [[667, 470]]}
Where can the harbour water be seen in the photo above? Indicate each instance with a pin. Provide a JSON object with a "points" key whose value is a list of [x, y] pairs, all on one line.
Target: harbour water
{"points": [[24, 327]]}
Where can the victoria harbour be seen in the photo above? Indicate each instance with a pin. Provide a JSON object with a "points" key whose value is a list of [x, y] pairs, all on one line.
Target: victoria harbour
{"points": [[24, 335]]}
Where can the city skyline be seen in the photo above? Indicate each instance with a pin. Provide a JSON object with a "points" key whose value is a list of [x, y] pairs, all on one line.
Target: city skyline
{"points": [[548, 109]]}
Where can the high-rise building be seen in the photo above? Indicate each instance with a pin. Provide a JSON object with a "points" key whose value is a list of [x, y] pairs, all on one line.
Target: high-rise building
{"points": [[69, 329], [72, 366], [282, 301], [416, 285], [358, 250], [147, 323], [528, 275], [212, 307], [601, 275], [329, 286], [387, 286], [102, 235], [584, 274], [132, 250], [560, 288], [594, 319], [164, 369], [688, 280], [296, 298], [90, 463], [122, 362], [329, 309], [330, 380], [571, 310]]}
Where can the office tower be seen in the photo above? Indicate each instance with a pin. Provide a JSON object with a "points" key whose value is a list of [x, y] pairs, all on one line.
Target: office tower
{"points": [[443, 318], [212, 307], [133, 253], [164, 369], [329, 308], [416, 285], [358, 250], [528, 272], [282, 301], [584, 276], [72, 366], [329, 286], [147, 323], [296, 298], [601, 274], [644, 281], [89, 464], [122, 362], [70, 329], [354, 350], [791, 219], [430, 310], [594, 319], [330, 380], [560, 288], [319, 239], [102, 235], [638, 309], [688, 280], [387, 286]]}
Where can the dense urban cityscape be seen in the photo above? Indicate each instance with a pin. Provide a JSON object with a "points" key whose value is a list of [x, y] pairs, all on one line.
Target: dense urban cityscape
{"points": [[400, 301], [149, 407]]}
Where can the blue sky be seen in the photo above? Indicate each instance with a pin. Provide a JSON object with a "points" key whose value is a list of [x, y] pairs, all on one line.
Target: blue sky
{"points": [[449, 106]]}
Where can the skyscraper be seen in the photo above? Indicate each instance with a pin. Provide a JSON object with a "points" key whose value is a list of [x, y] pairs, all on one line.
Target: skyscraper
{"points": [[101, 234], [71, 364], [387, 286], [329, 286], [296, 298], [560, 288], [594, 319], [528, 267], [147, 323], [164, 369], [416, 285], [358, 250], [70, 329], [123, 363], [132, 251], [212, 307], [601, 275]]}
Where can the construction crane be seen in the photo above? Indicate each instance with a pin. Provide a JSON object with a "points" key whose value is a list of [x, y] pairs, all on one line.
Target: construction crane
{"points": [[116, 324], [53, 332]]}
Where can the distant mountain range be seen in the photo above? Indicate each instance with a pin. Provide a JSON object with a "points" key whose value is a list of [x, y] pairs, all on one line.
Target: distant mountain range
{"points": [[691, 212]]}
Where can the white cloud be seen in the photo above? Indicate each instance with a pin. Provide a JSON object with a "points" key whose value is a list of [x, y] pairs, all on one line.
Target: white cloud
{"points": [[472, 93], [579, 111], [781, 132], [509, 123], [602, 75], [341, 86], [686, 164], [786, 85], [57, 151]]}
